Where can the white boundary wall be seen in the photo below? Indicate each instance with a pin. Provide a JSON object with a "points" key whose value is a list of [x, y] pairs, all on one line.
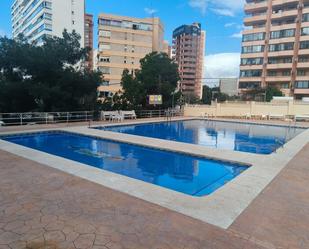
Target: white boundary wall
{"points": [[237, 109]]}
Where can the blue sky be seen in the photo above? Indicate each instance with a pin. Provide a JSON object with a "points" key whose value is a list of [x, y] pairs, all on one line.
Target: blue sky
{"points": [[222, 20]]}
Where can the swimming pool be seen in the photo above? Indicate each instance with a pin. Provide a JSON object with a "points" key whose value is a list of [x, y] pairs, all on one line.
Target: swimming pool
{"points": [[252, 138], [179, 172]]}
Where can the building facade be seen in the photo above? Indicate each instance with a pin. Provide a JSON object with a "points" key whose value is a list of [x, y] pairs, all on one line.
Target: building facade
{"points": [[38, 18], [89, 39], [123, 41], [275, 46], [229, 86], [188, 52]]}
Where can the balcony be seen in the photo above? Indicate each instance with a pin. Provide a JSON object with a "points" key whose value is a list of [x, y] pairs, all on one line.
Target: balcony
{"points": [[285, 14], [303, 64], [281, 53], [250, 79], [251, 7], [301, 91], [280, 66], [274, 79], [251, 67], [283, 2], [251, 20]]}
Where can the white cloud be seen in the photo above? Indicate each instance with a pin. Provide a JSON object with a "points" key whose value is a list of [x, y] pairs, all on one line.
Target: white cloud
{"points": [[237, 35], [230, 24], [221, 7], [199, 4], [223, 65], [223, 12], [150, 11]]}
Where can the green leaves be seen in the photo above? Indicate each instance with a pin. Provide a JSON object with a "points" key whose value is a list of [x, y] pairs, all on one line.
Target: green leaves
{"points": [[50, 77], [158, 75]]}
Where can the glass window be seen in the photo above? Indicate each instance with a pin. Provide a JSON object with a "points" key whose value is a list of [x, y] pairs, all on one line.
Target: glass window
{"points": [[302, 84], [104, 33], [254, 37], [306, 17], [301, 72], [252, 49], [251, 61], [249, 85], [305, 31], [304, 45], [281, 46], [282, 33], [250, 73]]}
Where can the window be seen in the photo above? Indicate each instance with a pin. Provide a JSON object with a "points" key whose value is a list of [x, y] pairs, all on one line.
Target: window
{"points": [[249, 85], [284, 86], [105, 83], [282, 33], [277, 60], [250, 73], [306, 17], [301, 72], [305, 31], [104, 33], [253, 37], [302, 84], [272, 73], [304, 45], [286, 73], [303, 59], [252, 49], [251, 61], [105, 59], [104, 46], [281, 46]]}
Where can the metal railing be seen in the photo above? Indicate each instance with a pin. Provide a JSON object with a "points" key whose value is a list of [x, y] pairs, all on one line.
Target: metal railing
{"points": [[31, 118], [159, 113]]}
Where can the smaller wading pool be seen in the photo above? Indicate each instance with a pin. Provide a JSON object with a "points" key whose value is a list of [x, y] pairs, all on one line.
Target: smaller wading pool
{"points": [[180, 172]]}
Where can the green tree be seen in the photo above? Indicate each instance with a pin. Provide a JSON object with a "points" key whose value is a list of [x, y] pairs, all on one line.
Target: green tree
{"points": [[158, 75], [51, 77], [272, 91], [207, 95]]}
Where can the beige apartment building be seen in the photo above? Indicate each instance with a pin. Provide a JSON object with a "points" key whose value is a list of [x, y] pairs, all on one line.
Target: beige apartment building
{"points": [[188, 52], [275, 46], [123, 41]]}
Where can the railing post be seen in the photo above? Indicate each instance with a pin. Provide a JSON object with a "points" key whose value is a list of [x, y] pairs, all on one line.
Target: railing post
{"points": [[46, 118], [21, 119], [86, 116], [67, 117]]}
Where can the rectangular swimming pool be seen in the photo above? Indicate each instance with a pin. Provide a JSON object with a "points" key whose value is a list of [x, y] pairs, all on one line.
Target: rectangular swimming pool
{"points": [[252, 138], [183, 173]]}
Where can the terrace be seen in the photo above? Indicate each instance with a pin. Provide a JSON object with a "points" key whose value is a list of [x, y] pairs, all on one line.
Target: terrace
{"points": [[46, 203]]}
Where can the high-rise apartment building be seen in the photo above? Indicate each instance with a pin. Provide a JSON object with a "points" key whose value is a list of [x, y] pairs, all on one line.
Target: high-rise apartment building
{"points": [[123, 41], [188, 52], [89, 39], [275, 46], [38, 18]]}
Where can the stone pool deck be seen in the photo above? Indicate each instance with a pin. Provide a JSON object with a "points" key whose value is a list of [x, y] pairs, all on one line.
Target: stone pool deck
{"points": [[41, 207]]}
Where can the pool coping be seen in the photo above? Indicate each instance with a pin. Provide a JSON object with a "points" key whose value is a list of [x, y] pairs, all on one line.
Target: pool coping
{"points": [[220, 208]]}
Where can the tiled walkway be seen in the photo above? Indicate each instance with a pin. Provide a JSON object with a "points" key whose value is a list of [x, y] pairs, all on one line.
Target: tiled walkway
{"points": [[41, 207]]}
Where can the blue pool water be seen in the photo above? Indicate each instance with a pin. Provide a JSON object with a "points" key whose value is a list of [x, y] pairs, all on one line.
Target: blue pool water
{"points": [[183, 173], [259, 139]]}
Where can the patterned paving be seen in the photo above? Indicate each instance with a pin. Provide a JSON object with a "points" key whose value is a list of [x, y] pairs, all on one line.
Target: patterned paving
{"points": [[44, 208], [41, 207]]}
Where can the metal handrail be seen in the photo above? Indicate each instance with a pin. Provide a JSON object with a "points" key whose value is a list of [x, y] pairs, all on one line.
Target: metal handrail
{"points": [[30, 118]]}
